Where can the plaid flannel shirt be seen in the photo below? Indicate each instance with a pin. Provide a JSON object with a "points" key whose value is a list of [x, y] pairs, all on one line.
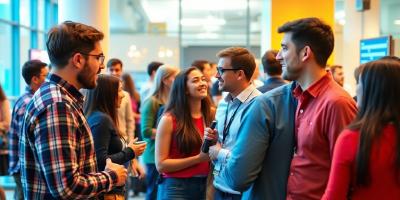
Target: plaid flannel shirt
{"points": [[56, 147], [15, 129]]}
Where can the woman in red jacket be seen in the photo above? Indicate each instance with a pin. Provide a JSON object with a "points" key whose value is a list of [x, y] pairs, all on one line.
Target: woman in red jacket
{"points": [[366, 159]]}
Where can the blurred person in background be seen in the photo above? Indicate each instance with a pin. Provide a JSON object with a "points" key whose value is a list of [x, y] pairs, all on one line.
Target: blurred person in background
{"points": [[163, 80], [5, 118], [34, 73], [366, 160], [183, 168], [125, 114], [100, 109], [337, 74], [146, 88], [272, 70], [128, 85]]}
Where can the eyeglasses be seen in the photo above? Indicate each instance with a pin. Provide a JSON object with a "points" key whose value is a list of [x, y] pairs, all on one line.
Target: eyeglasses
{"points": [[99, 57], [221, 70]]}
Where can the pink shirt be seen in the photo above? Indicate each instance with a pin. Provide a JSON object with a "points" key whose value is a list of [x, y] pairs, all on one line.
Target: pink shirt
{"points": [[323, 111], [383, 175], [201, 169]]}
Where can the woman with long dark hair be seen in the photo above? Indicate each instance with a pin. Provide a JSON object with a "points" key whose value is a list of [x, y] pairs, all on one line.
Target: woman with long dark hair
{"points": [[183, 167], [366, 159], [164, 77], [101, 111]]}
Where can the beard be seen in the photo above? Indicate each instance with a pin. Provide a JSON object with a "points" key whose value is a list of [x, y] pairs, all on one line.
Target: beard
{"points": [[86, 78], [291, 74]]}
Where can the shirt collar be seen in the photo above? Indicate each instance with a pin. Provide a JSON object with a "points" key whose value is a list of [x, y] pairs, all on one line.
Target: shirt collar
{"points": [[243, 96], [315, 88], [28, 89], [74, 93]]}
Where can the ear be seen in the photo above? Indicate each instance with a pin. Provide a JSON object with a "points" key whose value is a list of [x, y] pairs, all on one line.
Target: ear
{"points": [[241, 76], [78, 60], [34, 80], [306, 53]]}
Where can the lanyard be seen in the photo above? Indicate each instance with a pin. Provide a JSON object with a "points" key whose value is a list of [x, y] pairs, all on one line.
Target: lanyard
{"points": [[225, 132]]}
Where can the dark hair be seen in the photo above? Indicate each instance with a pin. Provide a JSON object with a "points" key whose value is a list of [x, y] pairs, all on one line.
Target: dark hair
{"points": [[199, 64], [188, 136], [69, 38], [32, 68], [129, 86], [103, 97], [379, 106], [2, 94], [314, 33], [241, 58], [153, 66], [271, 66], [113, 62], [333, 68]]}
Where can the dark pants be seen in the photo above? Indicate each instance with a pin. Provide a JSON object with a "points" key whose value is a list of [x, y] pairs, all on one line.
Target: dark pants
{"points": [[18, 192], [220, 195], [182, 188], [151, 181]]}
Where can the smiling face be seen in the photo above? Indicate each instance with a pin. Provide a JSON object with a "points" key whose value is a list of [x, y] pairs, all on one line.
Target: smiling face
{"points": [[196, 84], [292, 67]]}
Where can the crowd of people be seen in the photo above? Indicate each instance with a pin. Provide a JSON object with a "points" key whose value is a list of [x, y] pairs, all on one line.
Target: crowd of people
{"points": [[79, 134]]}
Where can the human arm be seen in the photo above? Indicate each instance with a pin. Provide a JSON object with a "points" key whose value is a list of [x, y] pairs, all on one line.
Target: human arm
{"points": [[341, 168], [129, 117], [245, 160], [163, 143], [138, 169], [103, 130], [5, 115], [340, 114], [58, 139], [149, 114]]}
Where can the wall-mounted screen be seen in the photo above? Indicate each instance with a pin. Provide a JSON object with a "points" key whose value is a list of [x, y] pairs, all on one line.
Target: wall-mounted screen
{"points": [[375, 48]]}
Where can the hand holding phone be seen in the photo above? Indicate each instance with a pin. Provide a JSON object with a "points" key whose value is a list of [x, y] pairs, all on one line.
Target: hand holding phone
{"points": [[207, 142]]}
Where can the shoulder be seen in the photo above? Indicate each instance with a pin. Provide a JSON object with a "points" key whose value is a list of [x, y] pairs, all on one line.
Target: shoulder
{"points": [[98, 117], [348, 138]]}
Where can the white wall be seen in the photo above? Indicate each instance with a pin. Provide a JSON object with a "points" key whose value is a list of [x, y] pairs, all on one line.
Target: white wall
{"points": [[358, 25]]}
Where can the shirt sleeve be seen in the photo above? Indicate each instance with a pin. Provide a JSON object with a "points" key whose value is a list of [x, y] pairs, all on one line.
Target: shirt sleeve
{"points": [[102, 131], [245, 163], [56, 140], [149, 112], [341, 113], [130, 122], [342, 165]]}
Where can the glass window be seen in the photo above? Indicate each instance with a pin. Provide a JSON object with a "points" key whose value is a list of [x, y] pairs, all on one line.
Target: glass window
{"points": [[5, 9], [41, 15], [390, 18], [24, 50], [5, 58], [25, 13]]}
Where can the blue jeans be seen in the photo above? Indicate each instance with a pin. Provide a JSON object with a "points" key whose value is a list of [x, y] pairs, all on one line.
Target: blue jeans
{"points": [[151, 181], [182, 188]]}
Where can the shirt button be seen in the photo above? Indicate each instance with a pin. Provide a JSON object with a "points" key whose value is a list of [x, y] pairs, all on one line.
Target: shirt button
{"points": [[301, 111], [291, 174]]}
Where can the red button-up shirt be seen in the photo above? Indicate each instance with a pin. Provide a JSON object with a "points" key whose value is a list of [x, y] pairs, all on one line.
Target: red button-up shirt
{"points": [[323, 111]]}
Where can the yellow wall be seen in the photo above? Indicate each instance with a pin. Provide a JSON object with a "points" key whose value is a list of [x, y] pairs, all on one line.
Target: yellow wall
{"points": [[287, 10]]}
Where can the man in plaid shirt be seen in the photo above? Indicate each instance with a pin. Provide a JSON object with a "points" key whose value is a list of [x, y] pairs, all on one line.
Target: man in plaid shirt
{"points": [[34, 73], [57, 153]]}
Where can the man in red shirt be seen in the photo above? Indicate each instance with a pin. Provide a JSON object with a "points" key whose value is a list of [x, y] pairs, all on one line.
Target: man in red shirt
{"points": [[323, 110]]}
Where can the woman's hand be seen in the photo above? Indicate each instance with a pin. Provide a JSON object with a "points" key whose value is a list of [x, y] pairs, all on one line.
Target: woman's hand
{"points": [[137, 147]]}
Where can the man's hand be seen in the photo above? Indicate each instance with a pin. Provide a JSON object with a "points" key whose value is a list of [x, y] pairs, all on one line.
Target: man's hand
{"points": [[214, 150], [120, 170]]}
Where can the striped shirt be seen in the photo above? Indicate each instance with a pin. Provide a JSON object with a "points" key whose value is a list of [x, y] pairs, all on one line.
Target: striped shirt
{"points": [[57, 153], [15, 129]]}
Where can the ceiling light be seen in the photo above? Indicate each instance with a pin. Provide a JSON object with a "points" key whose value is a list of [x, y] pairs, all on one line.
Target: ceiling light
{"points": [[210, 21]]}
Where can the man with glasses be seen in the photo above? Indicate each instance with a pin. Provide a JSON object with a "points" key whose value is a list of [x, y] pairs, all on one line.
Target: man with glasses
{"points": [[235, 68], [57, 155], [34, 73]]}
